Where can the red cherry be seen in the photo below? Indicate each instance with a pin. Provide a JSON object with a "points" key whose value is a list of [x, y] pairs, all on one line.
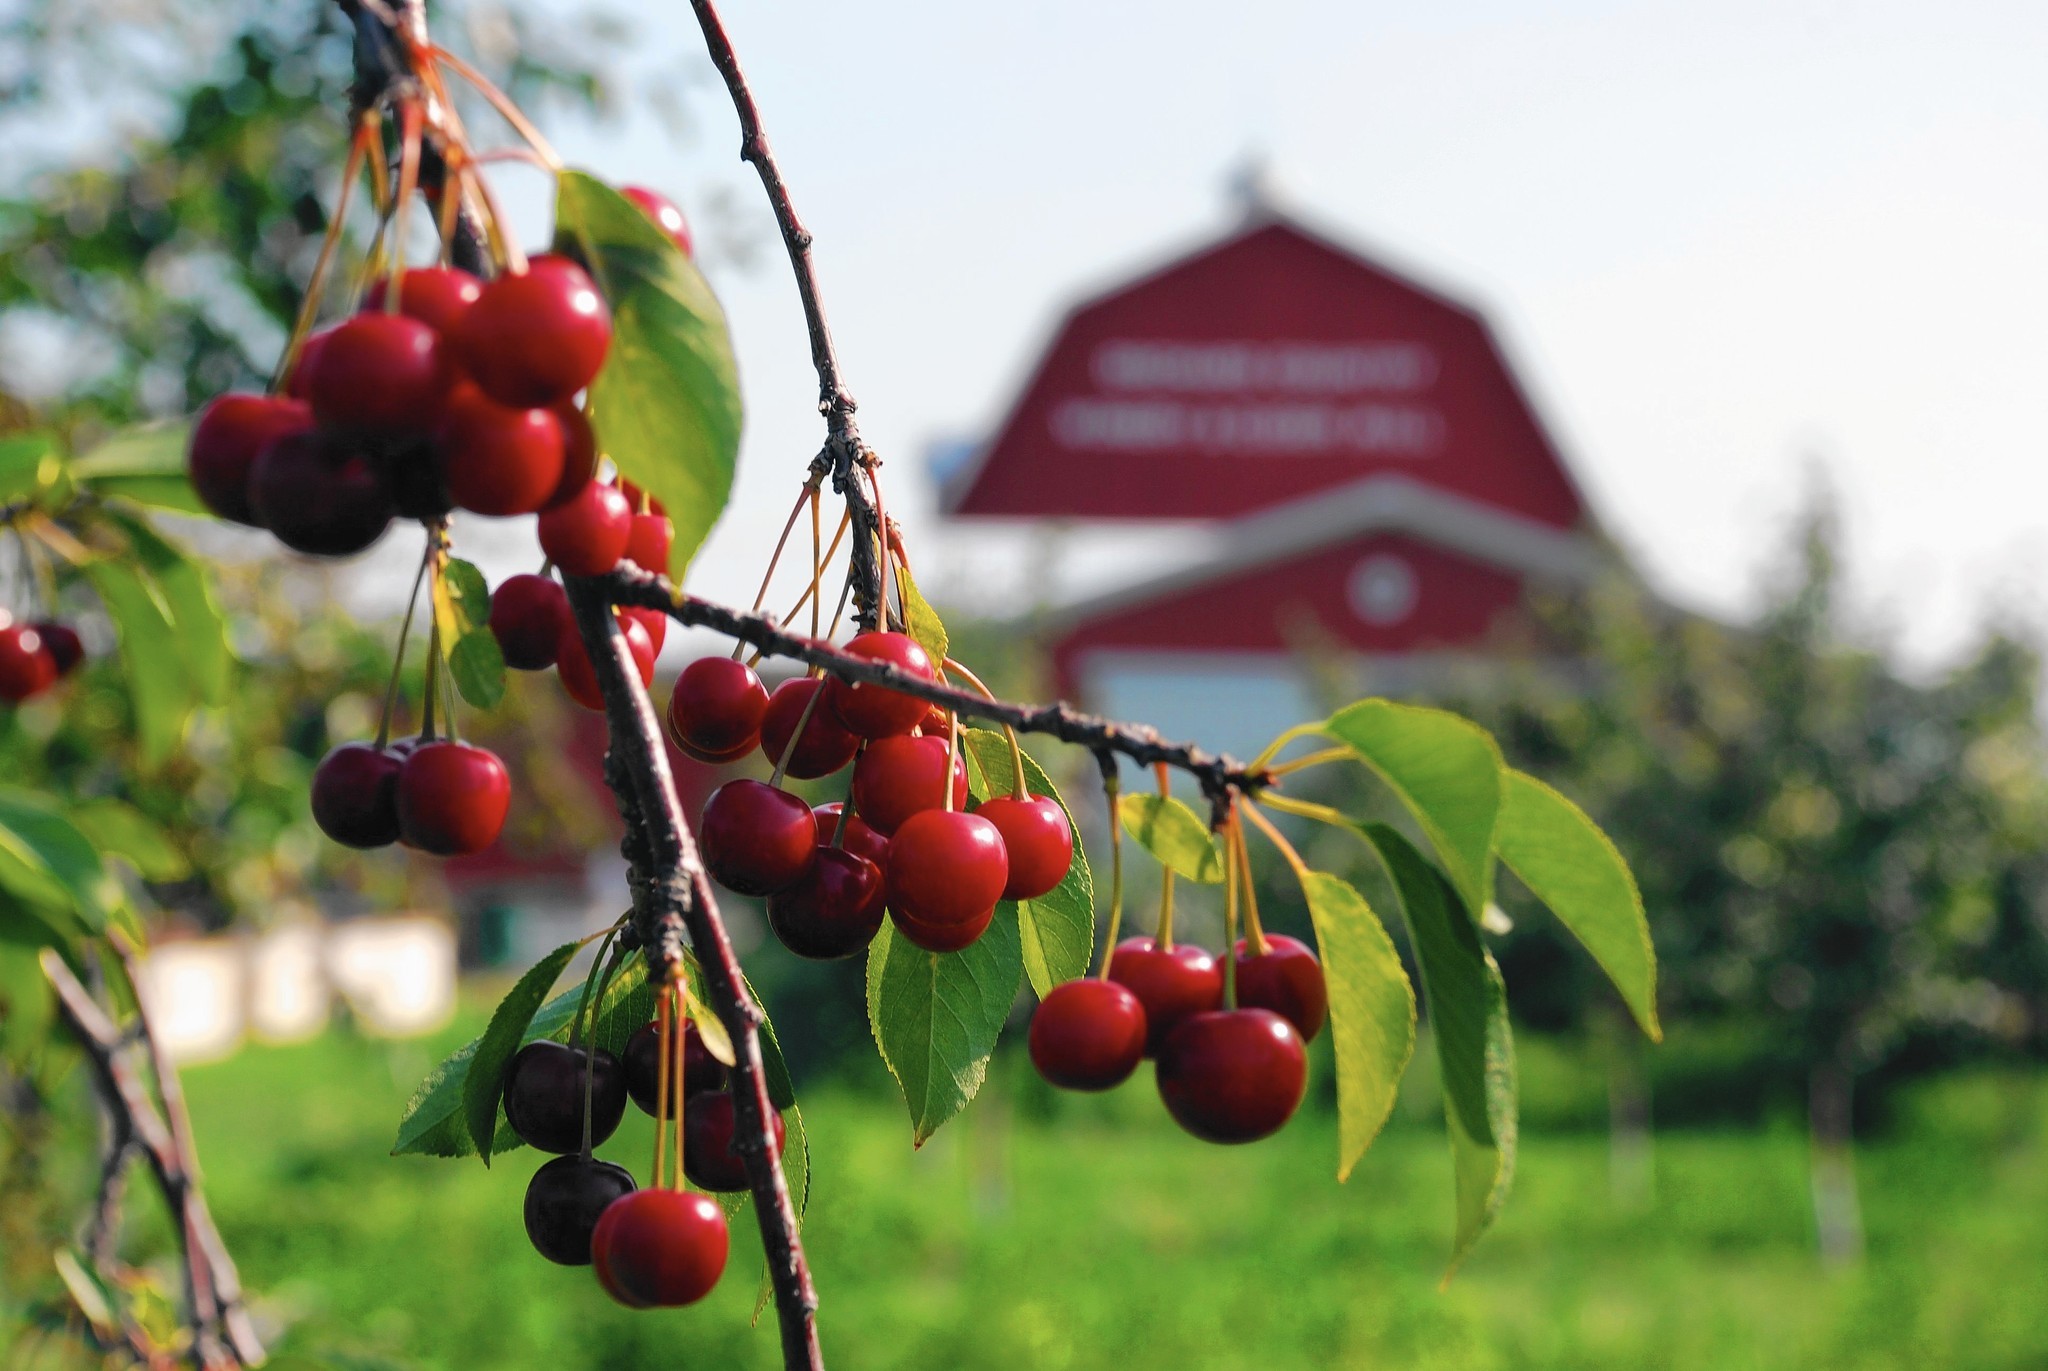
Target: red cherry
{"points": [[436, 296], [579, 675], [302, 369], [452, 798], [895, 778], [535, 337], [579, 454], [825, 745], [858, 839], [662, 211], [1088, 1035], [355, 795], [660, 1248], [496, 460], [756, 839], [714, 713], [946, 867], [639, 497], [710, 1122], [383, 375], [1037, 837], [1232, 1075], [652, 620], [1287, 980], [318, 494], [587, 535], [873, 711], [701, 1070], [225, 441], [529, 615], [942, 937], [834, 910], [63, 644], [26, 666], [1171, 982], [652, 536], [936, 723]]}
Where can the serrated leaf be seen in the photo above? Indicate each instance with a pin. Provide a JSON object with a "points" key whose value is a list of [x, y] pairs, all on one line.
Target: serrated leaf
{"points": [[186, 594], [484, 1084], [666, 406], [920, 619], [121, 830], [469, 595], [781, 1091], [711, 1029], [1468, 1019], [1056, 930], [936, 1017], [1570, 865], [144, 463], [477, 664], [1445, 769], [159, 683], [1169, 830]]}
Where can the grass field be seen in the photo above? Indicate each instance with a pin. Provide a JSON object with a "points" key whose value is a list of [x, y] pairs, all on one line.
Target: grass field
{"points": [[1083, 1234]]}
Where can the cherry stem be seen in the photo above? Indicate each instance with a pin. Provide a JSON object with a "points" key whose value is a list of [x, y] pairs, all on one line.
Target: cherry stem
{"points": [[846, 806], [1251, 811], [803, 722], [309, 306], [662, 1034], [1164, 937], [502, 103], [887, 562], [427, 710], [1274, 748], [1018, 790], [1327, 755], [817, 559], [590, 984], [1287, 804], [673, 1066], [398, 657], [1233, 862], [952, 758], [810, 595], [410, 117], [590, 1048], [1110, 785], [775, 557]]}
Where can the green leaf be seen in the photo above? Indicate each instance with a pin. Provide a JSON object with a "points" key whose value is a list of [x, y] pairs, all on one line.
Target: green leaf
{"points": [[1468, 1019], [484, 1085], [159, 682], [478, 665], [1445, 769], [38, 834], [1169, 830], [144, 463], [469, 596], [121, 830], [666, 406], [920, 618], [1057, 930], [1570, 865], [936, 1017], [28, 462], [780, 1090], [186, 594]]}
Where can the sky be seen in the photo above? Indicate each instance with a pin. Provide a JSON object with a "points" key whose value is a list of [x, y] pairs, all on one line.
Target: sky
{"points": [[1731, 248]]}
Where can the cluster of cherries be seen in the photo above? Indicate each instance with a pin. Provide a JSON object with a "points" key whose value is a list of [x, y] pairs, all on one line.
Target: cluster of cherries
{"points": [[1227, 1075], [651, 1247], [904, 845], [34, 656]]}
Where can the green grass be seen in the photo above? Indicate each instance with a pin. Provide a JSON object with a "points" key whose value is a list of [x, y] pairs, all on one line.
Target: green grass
{"points": [[1063, 1233]]}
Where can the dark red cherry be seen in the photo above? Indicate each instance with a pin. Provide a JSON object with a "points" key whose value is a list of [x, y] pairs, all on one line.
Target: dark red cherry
{"points": [[535, 337], [452, 798], [529, 615], [834, 910], [436, 296], [63, 644], [859, 839], [1038, 839], [1232, 1075], [26, 667], [544, 1089], [936, 723], [873, 711], [1287, 979], [756, 839], [710, 1122], [579, 454], [825, 745], [1171, 982], [319, 494], [715, 711], [412, 473], [225, 441], [652, 536], [660, 1248], [897, 777], [564, 1201], [355, 795], [381, 375], [579, 676], [494, 459], [1088, 1035], [652, 620], [587, 535], [701, 1070], [302, 369], [942, 937], [662, 211], [946, 867]]}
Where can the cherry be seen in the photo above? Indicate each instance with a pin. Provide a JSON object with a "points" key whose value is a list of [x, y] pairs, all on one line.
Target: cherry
{"points": [[825, 745], [834, 909], [714, 713], [936, 723], [579, 454], [895, 778], [1286, 979], [858, 839], [63, 644], [652, 620], [26, 666], [1088, 1035], [648, 544], [544, 1091], [529, 615], [412, 473], [535, 337], [660, 1248], [452, 798], [579, 675], [564, 1201], [379, 374], [1037, 837], [946, 868], [318, 494], [355, 795], [225, 441], [640, 498], [1232, 1075], [662, 211], [302, 367], [873, 711], [1171, 982], [942, 937], [586, 535], [701, 1070], [436, 296], [756, 839], [710, 1122], [497, 460]]}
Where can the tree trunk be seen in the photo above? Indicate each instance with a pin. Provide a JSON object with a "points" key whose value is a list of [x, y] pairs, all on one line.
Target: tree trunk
{"points": [[1838, 1217]]}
